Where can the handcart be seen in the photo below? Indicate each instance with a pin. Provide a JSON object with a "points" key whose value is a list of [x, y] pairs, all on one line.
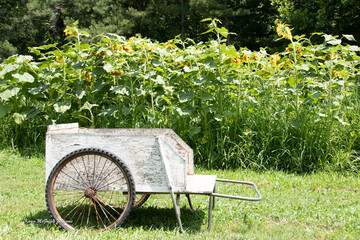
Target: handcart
{"points": [[94, 177]]}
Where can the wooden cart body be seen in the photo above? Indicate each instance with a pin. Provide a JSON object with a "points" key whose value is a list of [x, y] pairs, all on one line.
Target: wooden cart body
{"points": [[158, 159]]}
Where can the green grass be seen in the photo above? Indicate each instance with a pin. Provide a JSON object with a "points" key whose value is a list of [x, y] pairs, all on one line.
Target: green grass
{"points": [[311, 206]]}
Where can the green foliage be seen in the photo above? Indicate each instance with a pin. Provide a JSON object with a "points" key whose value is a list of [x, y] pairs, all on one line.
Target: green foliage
{"points": [[296, 110]]}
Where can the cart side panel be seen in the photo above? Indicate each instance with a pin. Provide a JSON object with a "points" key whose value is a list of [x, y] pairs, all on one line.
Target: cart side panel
{"points": [[183, 149], [174, 166], [168, 134], [139, 152]]}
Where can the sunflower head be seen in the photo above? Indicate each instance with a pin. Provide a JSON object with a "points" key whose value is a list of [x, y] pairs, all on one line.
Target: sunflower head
{"points": [[132, 39], [67, 31], [274, 59], [235, 61], [88, 77], [284, 31], [128, 48], [245, 58], [254, 56]]}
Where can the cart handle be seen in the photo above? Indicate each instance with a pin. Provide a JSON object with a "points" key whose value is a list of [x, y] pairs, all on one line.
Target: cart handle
{"points": [[238, 197]]}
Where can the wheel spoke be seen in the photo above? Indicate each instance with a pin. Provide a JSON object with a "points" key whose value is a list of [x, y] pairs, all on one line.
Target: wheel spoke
{"points": [[95, 183], [79, 174], [69, 205], [93, 180], [81, 214], [102, 179], [87, 221], [77, 207], [106, 194], [66, 192], [72, 178], [98, 215], [86, 169], [66, 185], [104, 209], [109, 206], [64, 200], [75, 199], [102, 187]]}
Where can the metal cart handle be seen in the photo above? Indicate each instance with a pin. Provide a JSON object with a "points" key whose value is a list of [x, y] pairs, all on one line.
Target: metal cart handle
{"points": [[238, 197], [213, 195]]}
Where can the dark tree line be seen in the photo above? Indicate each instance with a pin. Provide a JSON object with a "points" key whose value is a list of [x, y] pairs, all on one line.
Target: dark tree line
{"points": [[26, 23]]}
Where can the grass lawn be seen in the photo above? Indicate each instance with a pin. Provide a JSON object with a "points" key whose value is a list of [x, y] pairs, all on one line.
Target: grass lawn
{"points": [[311, 206]]}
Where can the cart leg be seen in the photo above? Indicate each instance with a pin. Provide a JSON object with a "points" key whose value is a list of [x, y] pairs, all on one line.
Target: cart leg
{"points": [[190, 204], [177, 208], [211, 200], [213, 204]]}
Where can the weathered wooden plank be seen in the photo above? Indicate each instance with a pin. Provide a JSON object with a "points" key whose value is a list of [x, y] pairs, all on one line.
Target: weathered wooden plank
{"points": [[200, 184], [138, 148], [64, 128]]}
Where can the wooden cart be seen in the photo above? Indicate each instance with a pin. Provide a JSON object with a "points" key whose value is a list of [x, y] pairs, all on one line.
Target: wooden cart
{"points": [[94, 175]]}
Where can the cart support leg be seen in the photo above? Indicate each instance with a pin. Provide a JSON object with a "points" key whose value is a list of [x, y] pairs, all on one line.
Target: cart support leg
{"points": [[190, 204], [211, 201], [177, 208]]}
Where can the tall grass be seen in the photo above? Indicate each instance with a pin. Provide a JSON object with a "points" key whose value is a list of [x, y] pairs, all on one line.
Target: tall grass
{"points": [[296, 110]]}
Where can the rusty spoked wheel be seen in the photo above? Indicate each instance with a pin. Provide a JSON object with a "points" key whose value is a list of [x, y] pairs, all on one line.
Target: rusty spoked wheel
{"points": [[140, 200], [90, 189]]}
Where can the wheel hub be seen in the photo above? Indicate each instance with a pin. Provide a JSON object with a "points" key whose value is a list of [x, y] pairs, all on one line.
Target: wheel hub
{"points": [[90, 193]]}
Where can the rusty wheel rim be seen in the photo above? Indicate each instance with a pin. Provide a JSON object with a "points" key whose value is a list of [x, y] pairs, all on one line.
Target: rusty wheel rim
{"points": [[89, 190]]}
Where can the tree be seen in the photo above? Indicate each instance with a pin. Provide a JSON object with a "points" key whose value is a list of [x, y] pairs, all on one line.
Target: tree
{"points": [[249, 19], [334, 17], [98, 17], [23, 23]]}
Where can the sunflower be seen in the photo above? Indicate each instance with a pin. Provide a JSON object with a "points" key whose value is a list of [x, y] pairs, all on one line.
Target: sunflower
{"points": [[117, 73], [128, 48], [59, 60], [254, 56], [299, 51], [118, 47], [286, 64], [274, 59], [88, 77], [245, 58], [67, 31], [284, 31], [235, 61]]}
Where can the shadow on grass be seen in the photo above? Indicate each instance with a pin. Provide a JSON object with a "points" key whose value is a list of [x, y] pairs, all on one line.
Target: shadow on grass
{"points": [[146, 217], [149, 218], [41, 219]]}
